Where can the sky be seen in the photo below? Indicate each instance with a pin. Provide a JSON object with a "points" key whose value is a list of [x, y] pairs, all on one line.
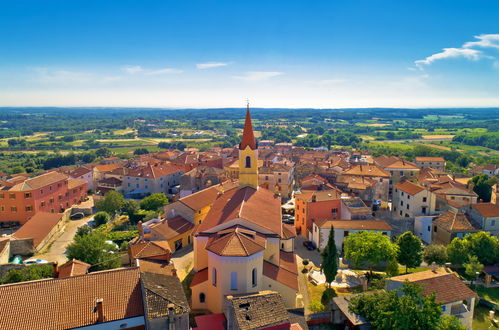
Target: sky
{"points": [[286, 54]]}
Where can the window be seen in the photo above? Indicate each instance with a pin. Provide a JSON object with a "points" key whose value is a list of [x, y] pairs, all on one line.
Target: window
{"points": [[407, 206], [423, 209], [381, 180], [13, 209], [27, 195], [391, 172], [492, 222], [402, 193], [345, 233], [42, 204], [334, 211], [429, 229], [2, 208], [435, 229], [424, 199], [12, 196], [401, 203], [412, 174], [408, 196], [253, 277], [214, 276], [233, 281], [279, 180], [401, 173], [400, 212], [202, 298], [29, 209], [266, 178], [248, 162], [2, 195]]}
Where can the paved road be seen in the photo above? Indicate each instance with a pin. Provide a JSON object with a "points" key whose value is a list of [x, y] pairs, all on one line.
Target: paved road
{"points": [[58, 247]]}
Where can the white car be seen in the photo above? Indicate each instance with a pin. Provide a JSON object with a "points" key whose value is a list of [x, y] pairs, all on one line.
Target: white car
{"points": [[34, 262]]}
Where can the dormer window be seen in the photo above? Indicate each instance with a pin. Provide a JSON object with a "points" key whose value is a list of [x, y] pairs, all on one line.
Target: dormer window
{"points": [[248, 162]]}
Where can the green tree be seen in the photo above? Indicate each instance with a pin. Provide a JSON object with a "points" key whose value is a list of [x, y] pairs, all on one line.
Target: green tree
{"points": [[101, 218], [481, 186], [112, 202], [94, 250], [435, 253], [472, 267], [83, 230], [103, 152], [409, 250], [458, 251], [449, 322], [406, 308], [330, 258], [28, 273], [140, 151], [484, 246], [154, 202], [130, 207], [369, 248]]}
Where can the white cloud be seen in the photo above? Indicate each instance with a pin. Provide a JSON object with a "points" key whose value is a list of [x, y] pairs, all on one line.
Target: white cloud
{"points": [[485, 41], [132, 69], [470, 54], [210, 65], [258, 75], [325, 82], [48, 76], [135, 69]]}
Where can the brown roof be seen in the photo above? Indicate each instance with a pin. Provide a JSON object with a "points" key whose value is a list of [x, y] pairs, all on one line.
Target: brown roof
{"points": [[320, 196], [452, 221], [404, 164], [207, 196], [288, 231], [368, 170], [75, 183], [357, 224], [38, 227], [236, 242], [150, 249], [199, 277], [446, 286], [385, 161], [487, 209], [355, 182], [154, 171], [40, 181], [160, 291], [73, 268], [248, 138], [156, 267], [259, 310], [80, 171], [258, 206], [69, 302], [171, 228], [409, 187], [106, 167], [430, 159], [314, 177], [280, 275]]}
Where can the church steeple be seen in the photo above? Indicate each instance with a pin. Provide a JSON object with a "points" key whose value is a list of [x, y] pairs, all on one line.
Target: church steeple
{"points": [[248, 155], [248, 135]]}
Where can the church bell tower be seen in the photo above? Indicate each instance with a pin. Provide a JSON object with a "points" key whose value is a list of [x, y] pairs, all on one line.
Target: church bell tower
{"points": [[248, 155]]}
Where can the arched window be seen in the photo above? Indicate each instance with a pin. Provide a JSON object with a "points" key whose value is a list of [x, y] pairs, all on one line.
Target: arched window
{"points": [[248, 162], [202, 298], [233, 281], [253, 277], [214, 276]]}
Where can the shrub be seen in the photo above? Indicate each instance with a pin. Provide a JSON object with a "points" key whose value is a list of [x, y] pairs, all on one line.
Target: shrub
{"points": [[101, 218]]}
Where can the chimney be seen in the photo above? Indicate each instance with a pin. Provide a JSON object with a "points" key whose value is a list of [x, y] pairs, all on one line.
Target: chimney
{"points": [[171, 316], [99, 309], [55, 266], [434, 267], [140, 229]]}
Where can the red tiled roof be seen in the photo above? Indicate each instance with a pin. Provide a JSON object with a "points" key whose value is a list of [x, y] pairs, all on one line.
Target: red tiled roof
{"points": [[409, 187], [80, 171], [356, 224], [368, 170], [236, 242], [40, 181], [75, 183], [258, 206], [171, 228], [154, 171], [280, 275], [248, 138], [73, 268], [200, 277], [487, 209], [288, 231], [150, 249], [457, 222], [70, 302], [207, 196], [38, 227], [320, 196], [430, 159]]}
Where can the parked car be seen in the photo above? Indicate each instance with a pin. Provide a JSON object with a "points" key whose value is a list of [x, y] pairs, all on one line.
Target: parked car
{"points": [[77, 216], [309, 245], [35, 261]]}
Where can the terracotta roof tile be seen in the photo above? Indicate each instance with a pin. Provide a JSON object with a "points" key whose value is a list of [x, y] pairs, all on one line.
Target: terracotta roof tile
{"points": [[320, 196], [73, 268], [156, 267], [487, 209], [430, 159], [280, 275], [171, 228], [409, 187], [80, 171], [199, 277], [154, 171], [75, 183], [150, 249], [39, 181], [207, 196], [38, 227], [248, 138], [368, 170], [454, 222], [70, 302], [288, 231], [357, 224], [236, 242]]}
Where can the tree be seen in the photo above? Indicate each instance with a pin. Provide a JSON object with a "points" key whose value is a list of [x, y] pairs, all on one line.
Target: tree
{"points": [[140, 151], [409, 250], [83, 230], [103, 152], [435, 254], [28, 273], [449, 322], [369, 248], [472, 267], [130, 208], [330, 258], [406, 308], [484, 246], [94, 250], [482, 187], [112, 202], [458, 251], [154, 202], [101, 218]]}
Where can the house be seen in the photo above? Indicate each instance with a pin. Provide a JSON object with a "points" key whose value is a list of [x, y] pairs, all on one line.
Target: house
{"points": [[260, 310], [72, 268], [84, 173], [149, 250], [355, 209], [241, 247], [104, 186], [411, 200], [21, 198], [358, 186], [399, 169], [454, 197], [151, 179], [370, 173], [278, 177], [311, 205], [456, 298], [345, 318], [200, 178], [42, 228], [486, 217], [449, 225], [176, 231], [342, 228], [437, 163], [423, 226]]}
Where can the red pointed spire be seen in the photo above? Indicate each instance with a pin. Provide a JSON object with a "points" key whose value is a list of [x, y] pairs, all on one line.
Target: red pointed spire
{"points": [[248, 136]]}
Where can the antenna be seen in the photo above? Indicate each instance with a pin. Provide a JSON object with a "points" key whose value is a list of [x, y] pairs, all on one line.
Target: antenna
{"points": [[247, 104]]}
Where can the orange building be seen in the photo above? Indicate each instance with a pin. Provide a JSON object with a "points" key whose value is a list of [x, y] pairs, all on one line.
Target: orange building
{"points": [[52, 192], [312, 205]]}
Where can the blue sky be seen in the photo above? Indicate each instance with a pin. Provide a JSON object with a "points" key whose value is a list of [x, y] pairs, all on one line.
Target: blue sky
{"points": [[276, 53]]}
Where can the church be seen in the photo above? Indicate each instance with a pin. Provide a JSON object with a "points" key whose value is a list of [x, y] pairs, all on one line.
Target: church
{"points": [[242, 246]]}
